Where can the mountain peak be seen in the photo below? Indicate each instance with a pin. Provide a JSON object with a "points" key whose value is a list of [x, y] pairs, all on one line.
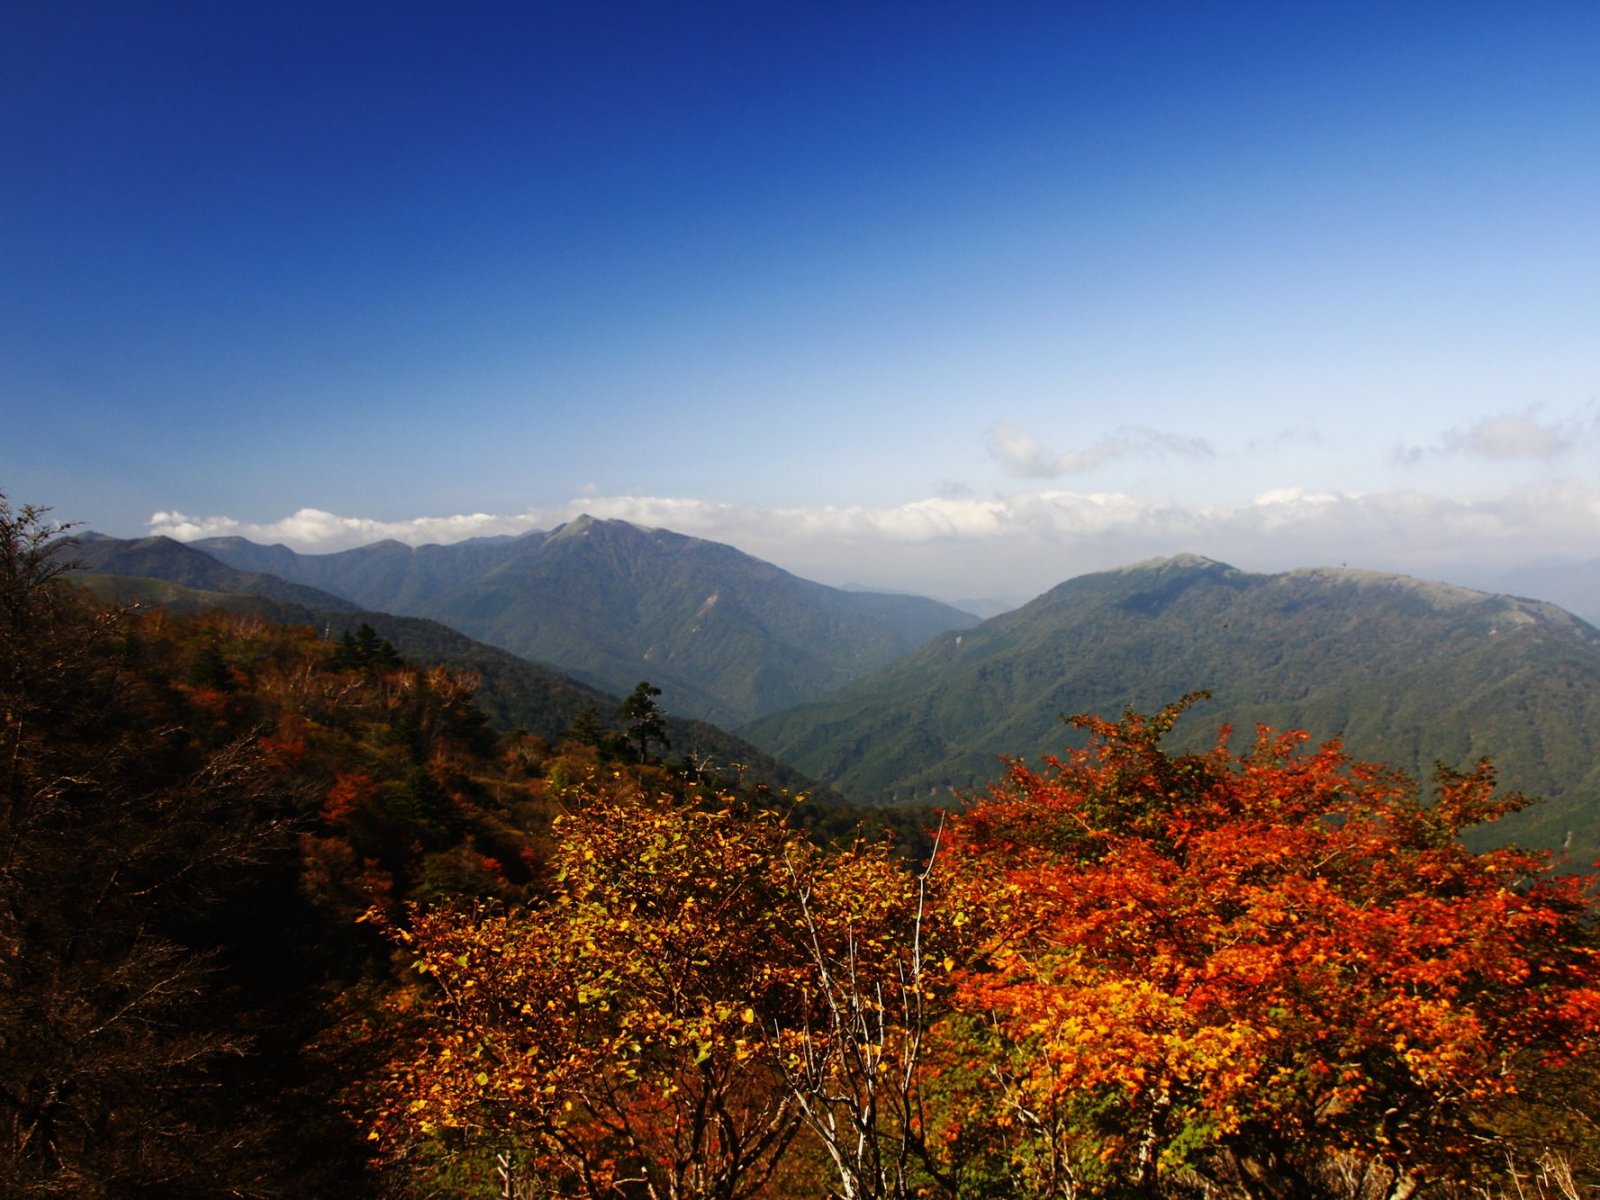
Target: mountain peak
{"points": [[1176, 562], [584, 524]]}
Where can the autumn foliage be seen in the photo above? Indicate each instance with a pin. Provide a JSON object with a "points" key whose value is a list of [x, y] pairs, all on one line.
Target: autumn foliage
{"points": [[701, 985], [1269, 974], [607, 1040], [1272, 974]]}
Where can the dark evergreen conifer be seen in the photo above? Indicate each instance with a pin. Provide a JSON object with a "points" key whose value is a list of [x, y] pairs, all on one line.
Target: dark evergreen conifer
{"points": [[642, 718]]}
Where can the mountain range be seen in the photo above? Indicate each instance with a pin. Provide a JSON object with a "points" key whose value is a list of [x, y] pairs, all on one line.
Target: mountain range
{"points": [[894, 699], [179, 563], [1405, 672], [512, 692], [727, 637]]}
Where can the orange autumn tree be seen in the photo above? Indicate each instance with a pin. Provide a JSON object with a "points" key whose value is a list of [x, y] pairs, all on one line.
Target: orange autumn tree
{"points": [[703, 985], [1273, 975]]}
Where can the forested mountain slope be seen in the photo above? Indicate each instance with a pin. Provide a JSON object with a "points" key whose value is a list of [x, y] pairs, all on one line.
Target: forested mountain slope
{"points": [[512, 692], [1405, 671], [728, 637], [175, 562]]}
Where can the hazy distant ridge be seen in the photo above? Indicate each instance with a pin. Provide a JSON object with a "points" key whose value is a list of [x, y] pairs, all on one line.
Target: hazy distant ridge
{"points": [[1408, 671], [176, 562]]}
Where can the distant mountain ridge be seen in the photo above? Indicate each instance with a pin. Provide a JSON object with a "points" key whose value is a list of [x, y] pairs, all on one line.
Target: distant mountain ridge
{"points": [[1573, 585], [513, 693], [174, 561], [727, 637], [1406, 671]]}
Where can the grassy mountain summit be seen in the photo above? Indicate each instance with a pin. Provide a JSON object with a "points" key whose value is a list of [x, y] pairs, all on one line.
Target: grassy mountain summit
{"points": [[727, 636], [1404, 670]]}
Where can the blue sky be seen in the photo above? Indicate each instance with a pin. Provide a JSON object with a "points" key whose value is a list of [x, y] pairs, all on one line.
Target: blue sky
{"points": [[963, 298]]}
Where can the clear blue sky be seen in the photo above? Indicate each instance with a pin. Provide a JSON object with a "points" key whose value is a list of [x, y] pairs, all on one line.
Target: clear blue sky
{"points": [[961, 297]]}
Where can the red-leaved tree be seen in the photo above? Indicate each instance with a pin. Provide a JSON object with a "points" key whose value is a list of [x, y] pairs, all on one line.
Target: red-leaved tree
{"points": [[1277, 974]]}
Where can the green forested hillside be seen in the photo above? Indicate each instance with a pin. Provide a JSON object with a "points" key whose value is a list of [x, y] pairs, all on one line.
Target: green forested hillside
{"points": [[728, 637], [387, 576], [1405, 671], [175, 562]]}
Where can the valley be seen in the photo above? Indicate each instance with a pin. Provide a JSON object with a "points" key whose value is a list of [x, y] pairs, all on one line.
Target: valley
{"points": [[892, 700]]}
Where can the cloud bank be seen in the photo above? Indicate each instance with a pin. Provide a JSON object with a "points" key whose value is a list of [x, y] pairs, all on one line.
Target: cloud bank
{"points": [[1025, 458], [313, 531], [1020, 544]]}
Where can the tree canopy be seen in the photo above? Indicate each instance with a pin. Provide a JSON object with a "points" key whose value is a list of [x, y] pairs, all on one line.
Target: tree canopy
{"points": [[1270, 974], [1264, 970]]}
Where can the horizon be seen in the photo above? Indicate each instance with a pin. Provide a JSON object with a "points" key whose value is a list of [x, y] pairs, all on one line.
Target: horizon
{"points": [[992, 605], [950, 301]]}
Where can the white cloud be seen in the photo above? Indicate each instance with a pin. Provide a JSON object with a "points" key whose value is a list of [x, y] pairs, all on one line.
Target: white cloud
{"points": [[1022, 543], [1025, 457], [1526, 435], [312, 530], [1519, 435], [1293, 496]]}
